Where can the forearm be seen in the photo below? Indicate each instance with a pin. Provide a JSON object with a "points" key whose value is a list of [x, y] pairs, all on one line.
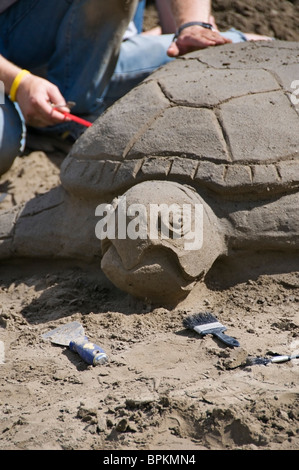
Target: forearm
{"points": [[166, 18], [191, 10], [34, 94]]}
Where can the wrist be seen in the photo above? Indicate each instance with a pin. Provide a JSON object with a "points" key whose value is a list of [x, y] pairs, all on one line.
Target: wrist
{"points": [[16, 83], [200, 24]]}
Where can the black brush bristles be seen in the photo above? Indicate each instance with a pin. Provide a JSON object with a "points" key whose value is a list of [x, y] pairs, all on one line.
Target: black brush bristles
{"points": [[198, 319], [205, 323]]}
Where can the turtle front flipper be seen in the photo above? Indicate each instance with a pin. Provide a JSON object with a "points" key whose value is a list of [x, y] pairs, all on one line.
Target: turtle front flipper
{"points": [[50, 226], [158, 240]]}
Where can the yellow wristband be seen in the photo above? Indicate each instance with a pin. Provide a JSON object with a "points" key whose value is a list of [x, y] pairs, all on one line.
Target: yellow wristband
{"points": [[16, 83]]}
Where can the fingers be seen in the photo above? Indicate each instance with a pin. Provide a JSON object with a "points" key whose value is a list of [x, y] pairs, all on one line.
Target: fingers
{"points": [[36, 97], [56, 99], [44, 110], [173, 50]]}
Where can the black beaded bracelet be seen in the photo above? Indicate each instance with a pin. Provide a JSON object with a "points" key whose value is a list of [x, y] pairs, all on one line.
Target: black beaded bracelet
{"points": [[191, 23]]}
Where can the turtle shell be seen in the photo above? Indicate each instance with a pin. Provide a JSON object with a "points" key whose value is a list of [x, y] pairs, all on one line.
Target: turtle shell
{"points": [[224, 119]]}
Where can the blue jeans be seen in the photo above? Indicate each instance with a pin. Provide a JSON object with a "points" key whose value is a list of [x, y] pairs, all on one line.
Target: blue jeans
{"points": [[139, 57], [139, 14], [72, 43], [12, 134]]}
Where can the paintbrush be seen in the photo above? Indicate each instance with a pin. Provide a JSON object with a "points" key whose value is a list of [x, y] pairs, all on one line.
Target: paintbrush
{"points": [[206, 324], [267, 360]]}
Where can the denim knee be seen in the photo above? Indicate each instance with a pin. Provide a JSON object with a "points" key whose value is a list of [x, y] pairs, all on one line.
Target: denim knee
{"points": [[12, 137], [234, 35]]}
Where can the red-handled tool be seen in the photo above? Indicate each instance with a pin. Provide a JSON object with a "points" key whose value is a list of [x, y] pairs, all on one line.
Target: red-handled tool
{"points": [[72, 116]]}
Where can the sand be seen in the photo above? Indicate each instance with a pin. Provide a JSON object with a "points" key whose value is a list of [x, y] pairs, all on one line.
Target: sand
{"points": [[276, 18], [164, 387]]}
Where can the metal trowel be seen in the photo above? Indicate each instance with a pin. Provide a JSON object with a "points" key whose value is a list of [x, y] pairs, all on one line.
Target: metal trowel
{"points": [[72, 335]]}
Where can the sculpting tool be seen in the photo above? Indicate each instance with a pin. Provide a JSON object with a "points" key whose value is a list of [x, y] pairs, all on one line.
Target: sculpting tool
{"points": [[275, 359], [74, 118], [72, 335], [70, 104], [206, 324]]}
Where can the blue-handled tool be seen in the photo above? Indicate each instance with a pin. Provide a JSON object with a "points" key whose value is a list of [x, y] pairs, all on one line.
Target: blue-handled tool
{"points": [[72, 335]]}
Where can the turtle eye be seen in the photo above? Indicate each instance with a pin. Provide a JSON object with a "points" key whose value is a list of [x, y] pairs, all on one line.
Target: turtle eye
{"points": [[179, 221]]}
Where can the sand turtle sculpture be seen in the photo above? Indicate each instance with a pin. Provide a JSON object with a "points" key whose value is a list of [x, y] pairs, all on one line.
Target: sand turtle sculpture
{"points": [[214, 136]]}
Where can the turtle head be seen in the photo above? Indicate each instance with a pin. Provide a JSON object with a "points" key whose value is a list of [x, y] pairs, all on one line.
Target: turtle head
{"points": [[158, 240]]}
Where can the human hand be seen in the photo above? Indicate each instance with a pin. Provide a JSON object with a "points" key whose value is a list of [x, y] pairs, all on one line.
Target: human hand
{"points": [[36, 97], [194, 38]]}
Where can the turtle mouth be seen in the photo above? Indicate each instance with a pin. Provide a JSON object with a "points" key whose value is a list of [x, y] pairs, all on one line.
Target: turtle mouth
{"points": [[152, 254], [157, 276]]}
